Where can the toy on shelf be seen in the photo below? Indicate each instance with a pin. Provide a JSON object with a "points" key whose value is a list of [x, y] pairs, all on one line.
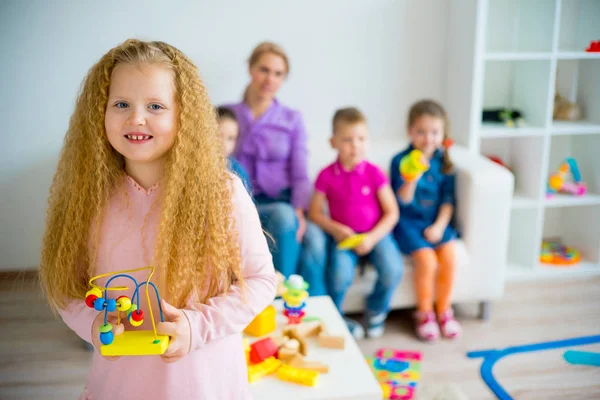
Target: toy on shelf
{"points": [[263, 323], [128, 343], [413, 164], [566, 180], [594, 47], [397, 371], [294, 299], [564, 110], [555, 253], [510, 117]]}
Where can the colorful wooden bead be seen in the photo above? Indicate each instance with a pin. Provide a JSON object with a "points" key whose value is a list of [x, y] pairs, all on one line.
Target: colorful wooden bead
{"points": [[95, 291], [90, 299], [131, 309], [137, 315], [106, 328], [99, 303], [111, 305], [107, 337], [134, 322], [123, 303]]}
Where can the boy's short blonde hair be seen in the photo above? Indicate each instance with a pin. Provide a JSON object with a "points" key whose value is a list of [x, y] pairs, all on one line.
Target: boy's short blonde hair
{"points": [[348, 115]]}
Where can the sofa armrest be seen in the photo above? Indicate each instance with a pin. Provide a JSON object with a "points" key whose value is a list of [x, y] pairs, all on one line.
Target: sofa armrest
{"points": [[484, 192]]}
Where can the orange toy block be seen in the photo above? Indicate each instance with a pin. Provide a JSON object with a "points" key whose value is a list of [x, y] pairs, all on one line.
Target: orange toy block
{"points": [[263, 323], [257, 371], [334, 342], [296, 375]]}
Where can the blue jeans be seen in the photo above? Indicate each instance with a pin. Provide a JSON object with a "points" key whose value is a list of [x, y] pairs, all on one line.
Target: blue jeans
{"points": [[290, 257], [386, 259]]}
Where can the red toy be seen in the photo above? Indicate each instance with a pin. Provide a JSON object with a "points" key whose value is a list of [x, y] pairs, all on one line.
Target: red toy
{"points": [[594, 47], [263, 349]]}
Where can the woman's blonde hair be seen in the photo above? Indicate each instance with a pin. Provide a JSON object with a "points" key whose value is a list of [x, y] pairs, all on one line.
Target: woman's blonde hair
{"points": [[269, 48], [434, 109], [196, 250]]}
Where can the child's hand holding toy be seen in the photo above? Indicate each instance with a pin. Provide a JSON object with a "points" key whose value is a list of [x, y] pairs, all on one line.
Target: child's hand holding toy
{"points": [[342, 232], [365, 246], [413, 165], [178, 328], [98, 323]]}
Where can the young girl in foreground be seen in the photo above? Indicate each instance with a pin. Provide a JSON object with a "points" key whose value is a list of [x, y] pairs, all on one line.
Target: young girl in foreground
{"points": [[142, 180]]}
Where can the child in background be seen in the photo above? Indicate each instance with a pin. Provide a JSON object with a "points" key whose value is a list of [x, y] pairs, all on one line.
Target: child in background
{"points": [[360, 201], [142, 181], [424, 231], [229, 130]]}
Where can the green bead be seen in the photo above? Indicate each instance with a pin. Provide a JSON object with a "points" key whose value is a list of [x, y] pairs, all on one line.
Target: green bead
{"points": [[106, 328]]}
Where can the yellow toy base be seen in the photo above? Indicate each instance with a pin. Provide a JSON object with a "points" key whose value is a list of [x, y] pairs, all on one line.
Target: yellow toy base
{"points": [[136, 343]]}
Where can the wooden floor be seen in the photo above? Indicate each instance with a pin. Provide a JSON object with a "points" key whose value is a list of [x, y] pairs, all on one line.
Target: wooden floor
{"points": [[42, 359]]}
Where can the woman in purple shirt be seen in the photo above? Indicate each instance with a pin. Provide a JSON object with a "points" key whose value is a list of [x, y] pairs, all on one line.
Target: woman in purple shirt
{"points": [[272, 147]]}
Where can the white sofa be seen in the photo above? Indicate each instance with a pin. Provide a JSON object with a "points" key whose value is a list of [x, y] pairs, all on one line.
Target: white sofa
{"points": [[483, 193]]}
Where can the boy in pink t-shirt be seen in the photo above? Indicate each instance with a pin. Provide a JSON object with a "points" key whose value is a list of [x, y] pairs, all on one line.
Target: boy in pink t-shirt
{"points": [[360, 200]]}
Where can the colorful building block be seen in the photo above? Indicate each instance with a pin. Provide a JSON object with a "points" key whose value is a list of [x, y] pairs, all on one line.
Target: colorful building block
{"points": [[296, 375], [262, 349], [263, 323], [257, 371]]}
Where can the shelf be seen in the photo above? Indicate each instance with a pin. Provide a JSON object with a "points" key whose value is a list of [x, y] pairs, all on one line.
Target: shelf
{"points": [[491, 130], [564, 200], [577, 55], [520, 201], [516, 272], [574, 128], [513, 56], [578, 24]]}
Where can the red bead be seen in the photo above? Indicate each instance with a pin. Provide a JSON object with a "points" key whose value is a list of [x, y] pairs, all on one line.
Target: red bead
{"points": [[89, 301], [137, 315]]}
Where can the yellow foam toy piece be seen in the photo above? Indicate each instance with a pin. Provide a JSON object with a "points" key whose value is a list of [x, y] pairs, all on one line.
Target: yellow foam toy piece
{"points": [[136, 343], [297, 375], [246, 350], [413, 164], [351, 242], [268, 366], [263, 323]]}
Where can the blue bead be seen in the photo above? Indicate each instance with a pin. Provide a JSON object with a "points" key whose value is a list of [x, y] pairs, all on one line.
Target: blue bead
{"points": [[111, 305], [107, 337], [99, 304]]}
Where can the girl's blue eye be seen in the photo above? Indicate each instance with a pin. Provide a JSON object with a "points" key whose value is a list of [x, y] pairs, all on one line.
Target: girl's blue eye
{"points": [[155, 107], [121, 104]]}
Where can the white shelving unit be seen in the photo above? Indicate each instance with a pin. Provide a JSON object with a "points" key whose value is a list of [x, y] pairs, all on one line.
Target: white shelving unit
{"points": [[519, 53]]}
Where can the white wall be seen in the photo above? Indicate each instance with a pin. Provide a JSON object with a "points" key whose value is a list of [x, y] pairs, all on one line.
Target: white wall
{"points": [[377, 55]]}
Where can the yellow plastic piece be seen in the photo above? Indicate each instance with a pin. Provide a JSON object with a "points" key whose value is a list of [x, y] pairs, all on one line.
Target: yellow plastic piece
{"points": [[296, 375], [136, 343], [351, 242], [263, 323], [413, 164], [268, 366], [247, 350], [295, 299]]}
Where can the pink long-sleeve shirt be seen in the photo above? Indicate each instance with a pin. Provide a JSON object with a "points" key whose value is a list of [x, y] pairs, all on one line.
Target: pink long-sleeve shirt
{"points": [[215, 368]]}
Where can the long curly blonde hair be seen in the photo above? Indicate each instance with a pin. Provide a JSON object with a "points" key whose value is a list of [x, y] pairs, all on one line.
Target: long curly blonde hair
{"points": [[196, 248]]}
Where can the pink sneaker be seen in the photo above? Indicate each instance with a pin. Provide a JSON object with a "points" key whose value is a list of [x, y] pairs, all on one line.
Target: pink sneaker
{"points": [[426, 326], [450, 327]]}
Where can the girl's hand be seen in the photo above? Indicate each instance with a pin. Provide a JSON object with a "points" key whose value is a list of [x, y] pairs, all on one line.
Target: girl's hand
{"points": [[434, 233], [342, 232], [301, 225], [365, 246], [98, 322], [178, 327]]}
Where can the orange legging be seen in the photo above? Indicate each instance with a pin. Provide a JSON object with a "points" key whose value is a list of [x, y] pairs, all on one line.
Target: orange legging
{"points": [[426, 261]]}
